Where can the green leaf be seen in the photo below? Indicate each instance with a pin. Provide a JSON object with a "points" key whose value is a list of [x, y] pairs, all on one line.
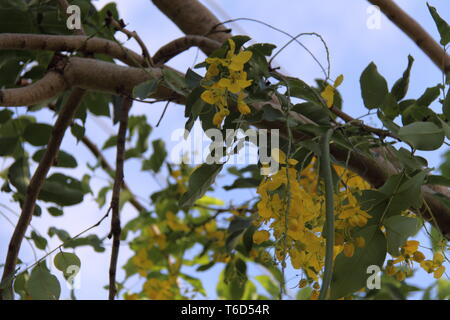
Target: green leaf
{"points": [[243, 183], [65, 262], [157, 158], [192, 79], [304, 294], [199, 182], [38, 134], [173, 80], [19, 175], [8, 145], [400, 87], [64, 159], [438, 180], [55, 212], [398, 230], [42, 285], [62, 190], [300, 89], [194, 106], [430, 95], [374, 87], [20, 284], [146, 89], [442, 25], [446, 106], [390, 107], [422, 135], [269, 285], [39, 241], [5, 115], [265, 49], [350, 274], [97, 103], [77, 131]]}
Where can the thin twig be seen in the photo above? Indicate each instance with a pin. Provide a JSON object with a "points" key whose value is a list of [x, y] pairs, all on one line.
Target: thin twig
{"points": [[118, 182], [164, 112], [132, 34]]}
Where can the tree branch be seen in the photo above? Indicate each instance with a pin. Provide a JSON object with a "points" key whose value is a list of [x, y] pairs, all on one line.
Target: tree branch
{"points": [[182, 44], [118, 182], [80, 43], [89, 74], [64, 120], [132, 34], [415, 31], [193, 18]]}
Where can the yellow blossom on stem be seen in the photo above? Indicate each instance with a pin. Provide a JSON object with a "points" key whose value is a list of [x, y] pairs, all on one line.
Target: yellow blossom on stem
{"points": [[236, 82], [261, 236]]}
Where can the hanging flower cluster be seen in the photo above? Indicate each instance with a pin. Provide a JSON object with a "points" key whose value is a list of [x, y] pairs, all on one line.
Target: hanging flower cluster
{"points": [[293, 205], [225, 76], [409, 254]]}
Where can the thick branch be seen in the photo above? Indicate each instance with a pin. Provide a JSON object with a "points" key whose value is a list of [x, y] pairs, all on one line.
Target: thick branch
{"points": [[64, 120], [80, 43], [193, 18], [415, 31], [88, 74], [182, 44], [118, 182]]}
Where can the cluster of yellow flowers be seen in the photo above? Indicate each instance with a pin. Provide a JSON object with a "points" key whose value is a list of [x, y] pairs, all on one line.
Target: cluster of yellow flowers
{"points": [[290, 202], [161, 289], [410, 253], [231, 78]]}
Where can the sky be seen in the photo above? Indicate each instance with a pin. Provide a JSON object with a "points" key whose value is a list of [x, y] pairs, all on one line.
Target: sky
{"points": [[352, 45]]}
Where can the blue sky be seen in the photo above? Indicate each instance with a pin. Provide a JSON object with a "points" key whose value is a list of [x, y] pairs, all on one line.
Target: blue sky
{"points": [[352, 47]]}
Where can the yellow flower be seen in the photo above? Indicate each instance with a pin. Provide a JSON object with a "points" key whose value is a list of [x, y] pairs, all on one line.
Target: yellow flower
{"points": [[328, 93], [400, 276], [219, 116], [213, 70], [236, 82], [349, 249], [133, 296], [390, 270], [261, 236], [302, 283], [418, 256], [174, 224], [360, 242], [410, 247], [439, 272], [214, 95], [234, 62], [242, 106], [427, 265]]}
